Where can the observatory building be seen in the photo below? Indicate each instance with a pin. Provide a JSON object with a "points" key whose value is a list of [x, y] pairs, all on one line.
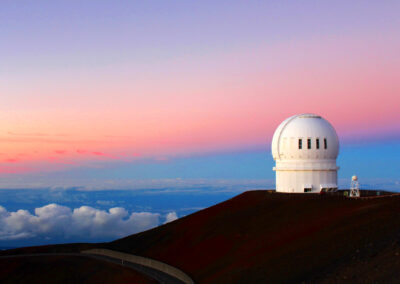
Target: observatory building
{"points": [[305, 148]]}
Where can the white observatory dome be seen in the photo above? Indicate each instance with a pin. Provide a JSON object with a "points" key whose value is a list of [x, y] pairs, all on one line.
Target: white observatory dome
{"points": [[305, 148]]}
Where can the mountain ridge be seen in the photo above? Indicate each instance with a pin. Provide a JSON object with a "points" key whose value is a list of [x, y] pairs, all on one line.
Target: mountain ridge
{"points": [[263, 236]]}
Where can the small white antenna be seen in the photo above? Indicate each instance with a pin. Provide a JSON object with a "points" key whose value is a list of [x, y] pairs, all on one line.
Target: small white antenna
{"points": [[354, 187]]}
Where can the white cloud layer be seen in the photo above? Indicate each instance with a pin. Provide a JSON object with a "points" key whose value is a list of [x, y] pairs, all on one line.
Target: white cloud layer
{"points": [[174, 184], [171, 216], [54, 221]]}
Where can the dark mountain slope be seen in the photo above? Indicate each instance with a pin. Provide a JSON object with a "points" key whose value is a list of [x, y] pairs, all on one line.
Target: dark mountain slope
{"points": [[66, 269], [262, 236]]}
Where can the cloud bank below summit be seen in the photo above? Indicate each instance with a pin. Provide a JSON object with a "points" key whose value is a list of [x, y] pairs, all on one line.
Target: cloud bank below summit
{"points": [[59, 223]]}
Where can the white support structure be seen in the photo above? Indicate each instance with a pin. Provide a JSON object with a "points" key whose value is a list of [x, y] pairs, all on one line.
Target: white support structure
{"points": [[354, 187], [305, 148]]}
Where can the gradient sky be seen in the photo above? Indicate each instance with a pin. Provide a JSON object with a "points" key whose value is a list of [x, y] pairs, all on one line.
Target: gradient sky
{"points": [[94, 90]]}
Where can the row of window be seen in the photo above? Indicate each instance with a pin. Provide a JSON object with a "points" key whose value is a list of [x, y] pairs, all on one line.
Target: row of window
{"points": [[309, 143]]}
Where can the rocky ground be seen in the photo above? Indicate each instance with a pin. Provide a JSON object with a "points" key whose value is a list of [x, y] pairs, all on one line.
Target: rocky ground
{"points": [[263, 236]]}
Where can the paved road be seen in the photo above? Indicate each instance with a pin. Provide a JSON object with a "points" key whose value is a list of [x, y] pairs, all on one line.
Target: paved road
{"points": [[159, 276]]}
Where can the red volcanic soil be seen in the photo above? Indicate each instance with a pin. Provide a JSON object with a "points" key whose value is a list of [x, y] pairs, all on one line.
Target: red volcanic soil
{"points": [[66, 269], [261, 236], [62, 248]]}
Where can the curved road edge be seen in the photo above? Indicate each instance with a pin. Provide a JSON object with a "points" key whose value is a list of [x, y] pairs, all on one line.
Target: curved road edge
{"points": [[143, 261], [155, 274]]}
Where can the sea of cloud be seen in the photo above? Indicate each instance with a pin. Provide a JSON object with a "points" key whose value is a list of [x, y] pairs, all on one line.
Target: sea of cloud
{"points": [[59, 222], [64, 215], [35, 216]]}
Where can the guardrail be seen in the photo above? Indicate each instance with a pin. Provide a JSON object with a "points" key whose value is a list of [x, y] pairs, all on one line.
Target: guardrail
{"points": [[148, 262]]}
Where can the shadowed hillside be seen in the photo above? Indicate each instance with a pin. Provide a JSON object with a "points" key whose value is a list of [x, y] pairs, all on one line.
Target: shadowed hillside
{"points": [[263, 236], [66, 269]]}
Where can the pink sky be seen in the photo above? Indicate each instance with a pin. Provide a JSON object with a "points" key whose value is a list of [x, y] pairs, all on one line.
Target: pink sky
{"points": [[70, 107]]}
